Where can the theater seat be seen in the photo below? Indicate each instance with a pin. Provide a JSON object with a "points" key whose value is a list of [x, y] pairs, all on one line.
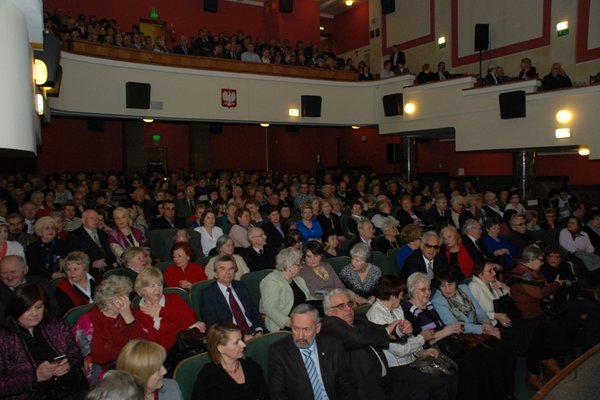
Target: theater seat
{"points": [[258, 349], [187, 372]]}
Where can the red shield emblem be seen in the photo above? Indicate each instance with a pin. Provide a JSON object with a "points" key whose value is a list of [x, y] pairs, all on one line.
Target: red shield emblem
{"points": [[228, 98]]}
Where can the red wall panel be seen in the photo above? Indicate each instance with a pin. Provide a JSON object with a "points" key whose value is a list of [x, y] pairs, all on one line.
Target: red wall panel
{"points": [[351, 29]]}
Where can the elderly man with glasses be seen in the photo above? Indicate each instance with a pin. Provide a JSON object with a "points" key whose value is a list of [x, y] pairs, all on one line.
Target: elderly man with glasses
{"points": [[425, 259]]}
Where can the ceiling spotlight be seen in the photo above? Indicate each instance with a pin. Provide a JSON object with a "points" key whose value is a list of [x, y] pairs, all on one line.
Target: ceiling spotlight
{"points": [[40, 72], [355, 127], [349, 2], [264, 125], [148, 120], [562, 133], [583, 150]]}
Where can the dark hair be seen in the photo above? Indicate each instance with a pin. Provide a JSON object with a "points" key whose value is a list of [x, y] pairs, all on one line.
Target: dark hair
{"points": [[388, 286], [205, 213], [315, 247], [490, 222], [185, 247], [554, 249], [479, 266], [22, 299], [327, 235], [273, 209], [292, 237], [449, 273]]}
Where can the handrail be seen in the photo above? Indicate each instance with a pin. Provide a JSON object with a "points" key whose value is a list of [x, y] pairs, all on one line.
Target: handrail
{"points": [[186, 61]]}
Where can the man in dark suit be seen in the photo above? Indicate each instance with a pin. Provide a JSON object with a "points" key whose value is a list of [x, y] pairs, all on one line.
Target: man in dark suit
{"points": [[491, 207], [426, 259], [93, 242], [168, 220], [472, 240], [275, 230], [228, 300], [186, 206], [257, 255], [13, 272], [396, 57], [366, 232], [437, 216], [192, 237], [306, 366], [364, 342], [184, 47]]}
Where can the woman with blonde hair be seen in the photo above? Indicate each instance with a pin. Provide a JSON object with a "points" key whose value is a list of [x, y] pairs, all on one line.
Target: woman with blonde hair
{"points": [[145, 359]]}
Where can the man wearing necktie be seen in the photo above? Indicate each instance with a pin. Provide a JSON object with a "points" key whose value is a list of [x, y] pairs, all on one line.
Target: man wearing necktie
{"points": [[426, 259], [257, 255], [307, 366], [472, 240], [229, 300]]}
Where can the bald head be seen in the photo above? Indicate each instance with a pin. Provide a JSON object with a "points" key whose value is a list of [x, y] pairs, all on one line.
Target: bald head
{"points": [[13, 270]]}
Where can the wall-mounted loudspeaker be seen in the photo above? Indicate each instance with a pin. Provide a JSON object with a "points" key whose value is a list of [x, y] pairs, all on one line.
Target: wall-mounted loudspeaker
{"points": [[393, 153], [482, 37], [137, 95], [512, 104], [311, 106], [388, 6], [392, 104], [286, 6], [211, 5]]}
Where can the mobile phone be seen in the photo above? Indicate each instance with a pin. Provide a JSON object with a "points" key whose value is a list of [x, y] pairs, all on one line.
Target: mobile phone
{"points": [[59, 358]]}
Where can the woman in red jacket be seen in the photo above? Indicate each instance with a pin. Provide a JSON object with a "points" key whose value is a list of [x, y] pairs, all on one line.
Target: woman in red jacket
{"points": [[184, 273], [454, 252]]}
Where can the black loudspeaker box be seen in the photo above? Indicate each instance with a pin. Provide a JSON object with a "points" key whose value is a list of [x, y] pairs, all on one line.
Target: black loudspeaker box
{"points": [[482, 37], [512, 104], [211, 5], [393, 153], [311, 106], [388, 6], [392, 104], [286, 6], [137, 95]]}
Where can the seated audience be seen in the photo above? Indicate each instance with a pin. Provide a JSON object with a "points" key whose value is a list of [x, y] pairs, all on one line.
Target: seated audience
{"points": [[361, 275], [307, 225], [472, 241], [283, 289], [592, 228], [518, 237], [406, 214], [329, 220], [275, 230], [426, 75], [386, 72], [124, 235], [117, 385], [527, 71], [184, 273], [168, 220], [257, 256], [227, 299], [104, 330], [390, 238], [293, 372], [191, 237], [399, 355], [209, 231], [17, 232], [427, 259], [454, 251], [144, 359], [229, 375], [8, 247], [44, 256], [528, 289], [410, 236], [38, 354], [225, 247], [239, 231], [78, 287], [162, 315], [573, 239], [320, 277], [496, 244], [556, 79]]}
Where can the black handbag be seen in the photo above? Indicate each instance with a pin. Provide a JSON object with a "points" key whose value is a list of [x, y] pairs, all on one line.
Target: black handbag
{"points": [[189, 343], [506, 305], [553, 309]]}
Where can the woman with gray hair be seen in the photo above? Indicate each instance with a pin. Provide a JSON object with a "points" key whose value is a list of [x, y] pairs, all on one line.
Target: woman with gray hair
{"points": [[361, 275], [44, 256], [225, 246], [529, 290], [110, 323], [283, 289], [390, 239]]}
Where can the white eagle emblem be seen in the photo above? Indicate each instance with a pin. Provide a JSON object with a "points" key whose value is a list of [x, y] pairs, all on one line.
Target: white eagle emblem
{"points": [[228, 98]]}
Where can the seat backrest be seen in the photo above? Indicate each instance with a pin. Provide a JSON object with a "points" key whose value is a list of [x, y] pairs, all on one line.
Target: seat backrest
{"points": [[252, 281], [339, 262], [203, 260], [226, 228], [391, 255], [346, 246], [162, 266], [155, 240], [72, 316], [258, 348], [382, 261], [187, 372], [177, 290], [196, 293]]}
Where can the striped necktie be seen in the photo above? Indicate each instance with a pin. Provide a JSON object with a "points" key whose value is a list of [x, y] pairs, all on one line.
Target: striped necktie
{"points": [[311, 369]]}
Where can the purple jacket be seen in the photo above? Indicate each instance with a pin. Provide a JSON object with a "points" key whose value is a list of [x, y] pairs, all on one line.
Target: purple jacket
{"points": [[116, 236], [17, 365]]}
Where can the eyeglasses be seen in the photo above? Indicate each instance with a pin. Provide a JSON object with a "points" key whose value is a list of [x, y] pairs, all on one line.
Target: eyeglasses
{"points": [[432, 246], [491, 272], [541, 259], [521, 224], [342, 306]]}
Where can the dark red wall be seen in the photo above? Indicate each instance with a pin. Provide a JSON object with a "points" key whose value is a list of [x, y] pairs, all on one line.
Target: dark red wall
{"points": [[351, 28]]}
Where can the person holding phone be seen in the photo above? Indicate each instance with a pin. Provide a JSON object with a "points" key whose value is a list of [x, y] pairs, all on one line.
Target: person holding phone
{"points": [[38, 354]]}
